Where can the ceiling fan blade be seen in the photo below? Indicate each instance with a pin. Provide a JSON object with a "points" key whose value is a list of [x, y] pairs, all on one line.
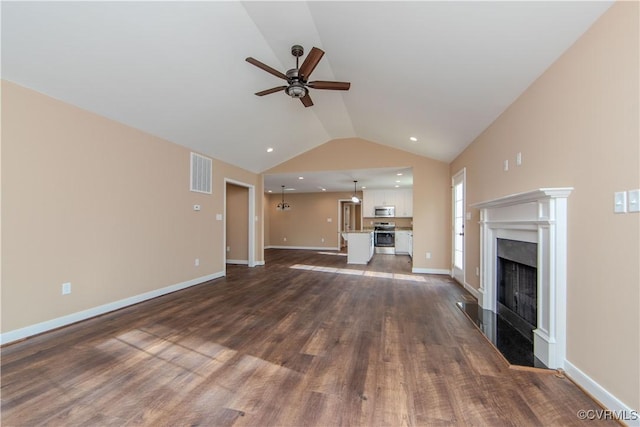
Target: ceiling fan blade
{"points": [[272, 90], [310, 62], [306, 100], [266, 68], [329, 85]]}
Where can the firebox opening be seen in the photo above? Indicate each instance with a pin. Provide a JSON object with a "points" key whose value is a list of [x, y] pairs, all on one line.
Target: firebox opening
{"points": [[517, 282]]}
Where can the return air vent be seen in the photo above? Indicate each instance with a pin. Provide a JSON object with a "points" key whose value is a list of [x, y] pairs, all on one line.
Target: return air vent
{"points": [[201, 171]]}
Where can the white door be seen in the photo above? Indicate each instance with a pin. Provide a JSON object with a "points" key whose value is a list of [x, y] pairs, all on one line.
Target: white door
{"points": [[458, 182]]}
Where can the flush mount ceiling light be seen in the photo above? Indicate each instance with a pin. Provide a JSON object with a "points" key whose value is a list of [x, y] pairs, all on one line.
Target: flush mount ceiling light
{"points": [[283, 206], [354, 198], [413, 139], [269, 150]]}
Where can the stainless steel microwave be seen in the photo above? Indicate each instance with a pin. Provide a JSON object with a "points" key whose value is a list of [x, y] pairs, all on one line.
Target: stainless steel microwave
{"points": [[384, 211]]}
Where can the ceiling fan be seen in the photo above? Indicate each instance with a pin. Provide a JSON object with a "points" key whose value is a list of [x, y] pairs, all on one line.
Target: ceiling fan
{"points": [[298, 83]]}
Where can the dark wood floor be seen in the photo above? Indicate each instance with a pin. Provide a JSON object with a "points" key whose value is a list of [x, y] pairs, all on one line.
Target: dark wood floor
{"points": [[283, 346]]}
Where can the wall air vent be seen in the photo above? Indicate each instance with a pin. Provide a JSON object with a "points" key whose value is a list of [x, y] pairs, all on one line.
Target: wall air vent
{"points": [[201, 173]]}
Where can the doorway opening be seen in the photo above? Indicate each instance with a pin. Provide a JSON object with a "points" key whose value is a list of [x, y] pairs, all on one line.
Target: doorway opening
{"points": [[349, 219], [458, 183], [239, 224]]}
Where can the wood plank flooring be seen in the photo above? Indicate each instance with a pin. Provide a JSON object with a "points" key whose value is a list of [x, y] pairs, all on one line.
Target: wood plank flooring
{"points": [[304, 340]]}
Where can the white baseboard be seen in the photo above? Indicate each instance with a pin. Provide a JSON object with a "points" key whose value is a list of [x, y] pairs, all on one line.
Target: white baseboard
{"points": [[260, 262], [311, 248], [473, 291], [238, 261], [431, 270], [629, 416], [59, 322]]}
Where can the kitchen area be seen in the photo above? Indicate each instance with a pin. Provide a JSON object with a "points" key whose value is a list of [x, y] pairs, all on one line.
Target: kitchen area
{"points": [[387, 226]]}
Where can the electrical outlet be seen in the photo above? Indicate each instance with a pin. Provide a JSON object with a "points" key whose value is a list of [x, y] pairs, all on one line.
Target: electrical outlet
{"points": [[284, 239], [519, 159], [428, 255], [197, 262], [228, 248], [322, 240], [66, 288], [505, 165]]}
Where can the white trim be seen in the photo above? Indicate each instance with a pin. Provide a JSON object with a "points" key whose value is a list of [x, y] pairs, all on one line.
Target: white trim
{"points": [[238, 261], [602, 395], [259, 262], [473, 291], [431, 271], [310, 248], [38, 328], [526, 197]]}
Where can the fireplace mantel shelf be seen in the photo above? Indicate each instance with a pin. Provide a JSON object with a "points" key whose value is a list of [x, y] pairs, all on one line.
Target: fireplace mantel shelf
{"points": [[526, 197]]}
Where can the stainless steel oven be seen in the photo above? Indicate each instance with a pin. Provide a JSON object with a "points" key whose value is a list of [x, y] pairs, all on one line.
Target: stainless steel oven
{"points": [[384, 237]]}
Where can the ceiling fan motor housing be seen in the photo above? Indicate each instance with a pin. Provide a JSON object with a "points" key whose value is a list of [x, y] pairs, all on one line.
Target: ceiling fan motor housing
{"points": [[297, 88]]}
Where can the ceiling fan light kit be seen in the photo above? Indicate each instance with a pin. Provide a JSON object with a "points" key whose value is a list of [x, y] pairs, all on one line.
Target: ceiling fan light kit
{"points": [[298, 78]]}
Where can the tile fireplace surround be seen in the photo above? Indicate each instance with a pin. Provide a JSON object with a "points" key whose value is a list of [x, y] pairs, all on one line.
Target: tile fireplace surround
{"points": [[538, 216]]}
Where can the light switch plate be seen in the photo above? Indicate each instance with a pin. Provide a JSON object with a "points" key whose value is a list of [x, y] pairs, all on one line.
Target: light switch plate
{"points": [[218, 217], [634, 200], [620, 202]]}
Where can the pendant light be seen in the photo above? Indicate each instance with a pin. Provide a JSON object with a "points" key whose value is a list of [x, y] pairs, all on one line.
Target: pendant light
{"points": [[354, 198], [283, 206]]}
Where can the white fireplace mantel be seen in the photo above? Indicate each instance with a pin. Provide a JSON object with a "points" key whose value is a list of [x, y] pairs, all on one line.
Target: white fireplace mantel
{"points": [[538, 216]]}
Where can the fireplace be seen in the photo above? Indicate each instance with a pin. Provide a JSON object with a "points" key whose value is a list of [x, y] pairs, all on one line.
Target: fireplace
{"points": [[539, 218], [517, 287]]}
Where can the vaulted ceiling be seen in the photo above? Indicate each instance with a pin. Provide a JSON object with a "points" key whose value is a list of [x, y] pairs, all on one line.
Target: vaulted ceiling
{"points": [[437, 71]]}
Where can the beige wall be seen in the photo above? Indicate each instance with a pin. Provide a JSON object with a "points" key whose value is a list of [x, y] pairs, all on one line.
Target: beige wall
{"points": [[106, 207], [305, 225], [431, 182], [237, 223], [577, 126]]}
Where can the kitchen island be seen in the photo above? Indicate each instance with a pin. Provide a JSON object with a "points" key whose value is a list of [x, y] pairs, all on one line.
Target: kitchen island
{"points": [[359, 246]]}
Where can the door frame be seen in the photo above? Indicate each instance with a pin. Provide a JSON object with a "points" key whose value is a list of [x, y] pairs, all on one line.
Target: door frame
{"points": [[460, 176], [251, 225], [341, 202]]}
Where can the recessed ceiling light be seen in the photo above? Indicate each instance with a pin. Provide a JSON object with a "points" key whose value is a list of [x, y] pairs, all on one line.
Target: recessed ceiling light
{"points": [[363, 187], [399, 174], [397, 180], [269, 150], [324, 189], [301, 177], [413, 139], [269, 191], [397, 186]]}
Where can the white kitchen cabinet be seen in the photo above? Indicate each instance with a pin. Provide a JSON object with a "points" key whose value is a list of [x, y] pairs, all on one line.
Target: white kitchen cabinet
{"points": [[403, 242], [411, 244], [402, 199], [404, 203], [368, 203], [359, 247]]}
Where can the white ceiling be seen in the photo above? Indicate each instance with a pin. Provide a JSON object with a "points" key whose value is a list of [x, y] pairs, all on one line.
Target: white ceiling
{"points": [[439, 71]]}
